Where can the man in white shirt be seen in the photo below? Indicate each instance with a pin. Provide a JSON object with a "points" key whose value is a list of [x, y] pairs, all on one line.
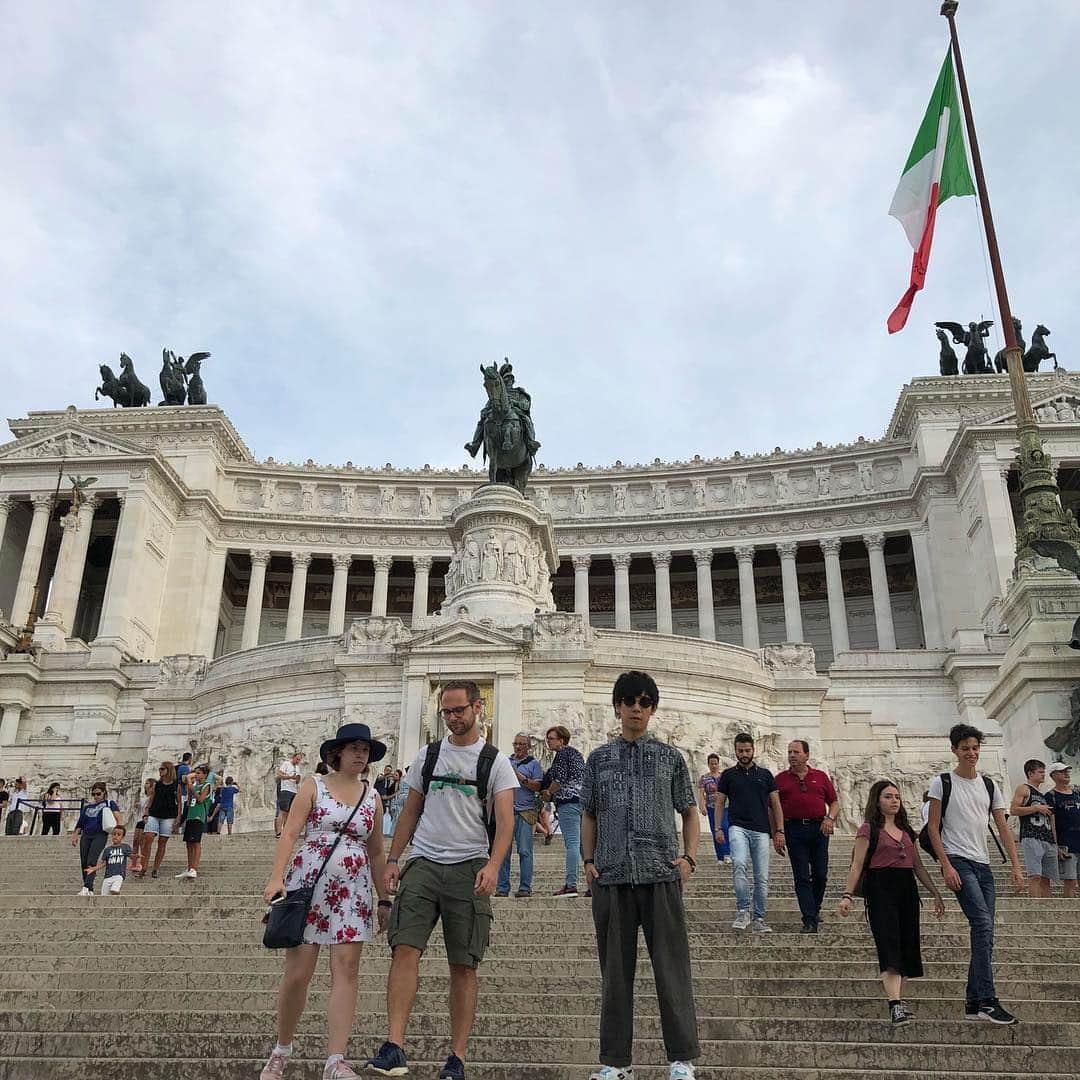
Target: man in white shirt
{"points": [[960, 811], [452, 871], [18, 801], [288, 785]]}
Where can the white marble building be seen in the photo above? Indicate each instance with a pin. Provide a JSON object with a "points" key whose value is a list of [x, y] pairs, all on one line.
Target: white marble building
{"points": [[859, 596]]}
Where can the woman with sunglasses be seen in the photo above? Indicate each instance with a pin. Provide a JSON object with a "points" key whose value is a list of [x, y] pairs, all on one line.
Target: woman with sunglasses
{"points": [[161, 816], [90, 835], [885, 846]]}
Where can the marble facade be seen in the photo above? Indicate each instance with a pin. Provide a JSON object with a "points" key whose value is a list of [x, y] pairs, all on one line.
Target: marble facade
{"points": [[860, 596]]}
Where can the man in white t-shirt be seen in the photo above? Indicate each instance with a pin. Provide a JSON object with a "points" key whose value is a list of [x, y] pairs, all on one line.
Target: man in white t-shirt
{"points": [[288, 785], [452, 871], [958, 837]]}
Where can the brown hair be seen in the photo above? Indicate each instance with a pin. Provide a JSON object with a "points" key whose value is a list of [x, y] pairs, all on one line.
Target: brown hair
{"points": [[170, 774], [873, 815], [561, 732], [470, 688]]}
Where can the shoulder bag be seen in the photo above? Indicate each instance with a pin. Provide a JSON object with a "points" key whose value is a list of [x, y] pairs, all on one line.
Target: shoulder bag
{"points": [[286, 918], [108, 818]]}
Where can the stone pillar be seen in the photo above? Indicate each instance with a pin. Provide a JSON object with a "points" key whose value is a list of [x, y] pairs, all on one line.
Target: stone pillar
{"points": [[793, 628], [924, 574], [9, 724], [338, 594], [70, 564], [253, 610], [705, 615], [879, 583], [662, 562], [6, 503], [748, 597], [294, 622], [835, 585], [382, 584], [421, 576], [125, 571], [581, 584], [31, 563], [621, 559], [210, 609]]}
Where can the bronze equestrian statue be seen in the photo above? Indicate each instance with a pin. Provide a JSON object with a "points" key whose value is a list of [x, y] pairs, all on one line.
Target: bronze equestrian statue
{"points": [[505, 429], [1038, 351]]}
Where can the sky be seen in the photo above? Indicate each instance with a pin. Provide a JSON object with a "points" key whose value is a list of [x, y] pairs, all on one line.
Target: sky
{"points": [[672, 218]]}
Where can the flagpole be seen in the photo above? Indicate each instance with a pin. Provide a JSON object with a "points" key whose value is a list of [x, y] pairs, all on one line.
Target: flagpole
{"points": [[1045, 527]]}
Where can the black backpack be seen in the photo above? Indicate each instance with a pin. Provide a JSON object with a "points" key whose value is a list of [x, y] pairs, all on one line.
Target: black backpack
{"points": [[946, 791], [488, 754]]}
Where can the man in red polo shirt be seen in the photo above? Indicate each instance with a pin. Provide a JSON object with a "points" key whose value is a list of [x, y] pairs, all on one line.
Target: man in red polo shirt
{"points": [[810, 806]]}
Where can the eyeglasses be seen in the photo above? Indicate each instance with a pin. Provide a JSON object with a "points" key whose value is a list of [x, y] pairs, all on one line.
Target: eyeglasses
{"points": [[643, 700], [457, 712]]}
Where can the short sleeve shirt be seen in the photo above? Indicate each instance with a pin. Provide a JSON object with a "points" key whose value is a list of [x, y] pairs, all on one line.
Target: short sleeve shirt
{"points": [[115, 857], [708, 784], [228, 794], [1066, 807], [889, 852], [812, 803], [292, 782], [747, 792], [964, 826], [90, 819], [524, 798]]}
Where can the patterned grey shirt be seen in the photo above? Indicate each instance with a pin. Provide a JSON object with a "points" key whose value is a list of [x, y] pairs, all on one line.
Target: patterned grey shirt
{"points": [[634, 790]]}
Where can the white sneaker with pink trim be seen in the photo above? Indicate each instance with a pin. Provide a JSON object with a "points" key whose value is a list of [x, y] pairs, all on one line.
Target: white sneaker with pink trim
{"points": [[340, 1070], [275, 1067]]}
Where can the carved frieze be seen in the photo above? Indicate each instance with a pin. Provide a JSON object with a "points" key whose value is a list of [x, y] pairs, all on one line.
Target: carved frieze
{"points": [[181, 670]]}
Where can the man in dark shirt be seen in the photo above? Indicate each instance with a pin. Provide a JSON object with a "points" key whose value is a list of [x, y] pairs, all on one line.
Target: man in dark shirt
{"points": [[810, 807], [562, 785], [633, 788], [753, 815], [1065, 802]]}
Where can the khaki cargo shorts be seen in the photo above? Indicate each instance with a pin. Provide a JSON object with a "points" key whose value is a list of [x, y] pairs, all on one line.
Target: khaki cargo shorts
{"points": [[428, 891]]}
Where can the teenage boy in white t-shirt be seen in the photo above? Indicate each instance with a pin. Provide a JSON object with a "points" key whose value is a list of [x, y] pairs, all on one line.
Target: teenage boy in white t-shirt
{"points": [[959, 842]]}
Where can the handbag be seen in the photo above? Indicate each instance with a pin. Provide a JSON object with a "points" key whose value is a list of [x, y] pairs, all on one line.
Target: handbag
{"points": [[108, 819], [286, 918]]}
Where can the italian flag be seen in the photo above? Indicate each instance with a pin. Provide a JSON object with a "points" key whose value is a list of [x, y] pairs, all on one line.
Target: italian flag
{"points": [[936, 170]]}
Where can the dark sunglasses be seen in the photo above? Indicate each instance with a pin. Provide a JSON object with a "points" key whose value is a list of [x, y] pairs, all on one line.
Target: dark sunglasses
{"points": [[643, 700]]}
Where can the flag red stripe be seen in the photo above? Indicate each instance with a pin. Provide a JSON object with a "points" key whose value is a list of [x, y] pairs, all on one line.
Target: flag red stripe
{"points": [[920, 262]]}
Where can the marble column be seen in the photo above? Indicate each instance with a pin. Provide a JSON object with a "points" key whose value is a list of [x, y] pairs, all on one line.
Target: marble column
{"points": [[31, 563], [382, 583], [879, 584], [421, 577], [834, 583], [581, 584], [125, 572], [256, 587], [9, 724], [70, 565], [294, 622], [706, 617], [748, 597], [6, 503], [662, 562], [210, 608], [621, 559], [789, 575], [339, 594], [924, 574]]}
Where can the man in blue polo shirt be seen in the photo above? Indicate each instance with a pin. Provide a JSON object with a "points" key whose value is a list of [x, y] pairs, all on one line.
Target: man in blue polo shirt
{"points": [[530, 775], [754, 815]]}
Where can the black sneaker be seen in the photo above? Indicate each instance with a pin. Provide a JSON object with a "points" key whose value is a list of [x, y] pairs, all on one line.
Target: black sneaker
{"points": [[808, 927], [454, 1069], [971, 1010], [898, 1014], [389, 1061], [993, 1011]]}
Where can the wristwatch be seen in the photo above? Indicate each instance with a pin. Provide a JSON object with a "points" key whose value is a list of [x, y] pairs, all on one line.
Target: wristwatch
{"points": [[588, 862], [391, 862]]}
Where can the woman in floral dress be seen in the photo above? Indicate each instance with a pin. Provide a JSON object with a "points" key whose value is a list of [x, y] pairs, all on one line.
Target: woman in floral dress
{"points": [[343, 912]]}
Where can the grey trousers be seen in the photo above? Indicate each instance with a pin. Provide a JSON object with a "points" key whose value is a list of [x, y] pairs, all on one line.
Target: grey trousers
{"points": [[618, 911]]}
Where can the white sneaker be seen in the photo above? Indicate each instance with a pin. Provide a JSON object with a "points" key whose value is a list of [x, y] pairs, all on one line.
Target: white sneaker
{"points": [[609, 1072], [681, 1070], [188, 874], [84, 891], [742, 921], [760, 926]]}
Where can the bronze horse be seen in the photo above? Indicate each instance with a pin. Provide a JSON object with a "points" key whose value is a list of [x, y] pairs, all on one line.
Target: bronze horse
{"points": [[513, 466], [1038, 351]]}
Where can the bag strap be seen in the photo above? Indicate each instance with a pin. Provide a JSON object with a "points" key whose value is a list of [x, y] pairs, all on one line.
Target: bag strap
{"points": [[430, 761], [330, 853], [875, 834]]}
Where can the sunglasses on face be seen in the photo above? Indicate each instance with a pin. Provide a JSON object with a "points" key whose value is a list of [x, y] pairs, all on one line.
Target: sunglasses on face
{"points": [[643, 700], [457, 711]]}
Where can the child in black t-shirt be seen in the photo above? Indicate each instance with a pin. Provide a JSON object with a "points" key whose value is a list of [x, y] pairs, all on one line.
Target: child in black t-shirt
{"points": [[114, 861]]}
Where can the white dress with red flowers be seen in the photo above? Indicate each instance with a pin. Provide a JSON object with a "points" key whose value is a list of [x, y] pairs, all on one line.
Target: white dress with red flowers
{"points": [[342, 908]]}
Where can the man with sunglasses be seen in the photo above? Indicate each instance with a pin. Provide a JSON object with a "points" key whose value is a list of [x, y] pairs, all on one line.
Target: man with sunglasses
{"points": [[633, 788], [811, 807]]}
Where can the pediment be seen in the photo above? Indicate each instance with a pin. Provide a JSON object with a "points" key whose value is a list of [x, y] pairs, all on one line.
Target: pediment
{"points": [[71, 441], [1060, 409], [470, 634]]}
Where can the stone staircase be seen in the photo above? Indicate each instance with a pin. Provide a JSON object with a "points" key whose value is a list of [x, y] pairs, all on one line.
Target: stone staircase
{"points": [[170, 979]]}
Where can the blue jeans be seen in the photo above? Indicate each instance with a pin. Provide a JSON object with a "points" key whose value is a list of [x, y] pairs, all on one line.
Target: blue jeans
{"points": [[808, 850], [977, 898], [748, 846], [523, 841], [722, 850], [570, 824]]}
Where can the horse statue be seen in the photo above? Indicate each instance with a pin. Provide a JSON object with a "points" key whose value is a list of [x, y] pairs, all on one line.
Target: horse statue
{"points": [[173, 379], [1038, 351], [1001, 365], [110, 386], [974, 337], [504, 439], [947, 360], [196, 392], [136, 393]]}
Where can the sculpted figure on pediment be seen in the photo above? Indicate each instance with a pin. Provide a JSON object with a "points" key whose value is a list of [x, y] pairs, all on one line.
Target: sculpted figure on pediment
{"points": [[619, 498], [738, 490], [783, 486], [866, 476]]}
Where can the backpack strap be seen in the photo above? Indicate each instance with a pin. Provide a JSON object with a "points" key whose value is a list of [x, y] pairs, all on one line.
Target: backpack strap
{"points": [[875, 833], [430, 761], [488, 754]]}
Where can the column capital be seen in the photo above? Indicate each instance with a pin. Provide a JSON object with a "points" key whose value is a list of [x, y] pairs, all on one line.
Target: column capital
{"points": [[6, 503], [41, 502], [661, 558], [422, 563], [90, 503], [874, 541], [921, 530], [382, 562], [260, 557], [622, 559], [830, 545], [703, 556], [301, 559], [787, 548], [581, 562], [342, 562], [744, 553]]}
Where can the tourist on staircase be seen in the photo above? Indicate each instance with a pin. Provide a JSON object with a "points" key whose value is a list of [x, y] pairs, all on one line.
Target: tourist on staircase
{"points": [[1038, 841], [114, 861], [162, 816], [288, 783], [227, 813], [142, 810], [1064, 800], [51, 811], [633, 788], [459, 788], [530, 777], [200, 787], [18, 800], [562, 786], [707, 787], [886, 860], [810, 807], [338, 818], [98, 818], [755, 815], [961, 805]]}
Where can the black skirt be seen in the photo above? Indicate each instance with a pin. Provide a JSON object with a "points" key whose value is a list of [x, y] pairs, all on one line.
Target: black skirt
{"points": [[892, 906]]}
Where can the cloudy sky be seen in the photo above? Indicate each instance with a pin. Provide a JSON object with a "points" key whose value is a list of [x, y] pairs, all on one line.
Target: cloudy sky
{"points": [[672, 217]]}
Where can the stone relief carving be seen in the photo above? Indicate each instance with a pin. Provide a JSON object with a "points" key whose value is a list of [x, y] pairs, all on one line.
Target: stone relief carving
{"points": [[659, 494], [782, 486], [375, 632], [491, 564], [790, 658], [618, 498], [556, 628], [386, 500], [866, 476], [48, 734], [738, 490], [182, 670], [700, 495], [581, 500], [821, 473], [427, 502]]}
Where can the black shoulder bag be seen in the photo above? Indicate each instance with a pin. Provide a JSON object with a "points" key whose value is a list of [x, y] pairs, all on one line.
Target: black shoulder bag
{"points": [[287, 918]]}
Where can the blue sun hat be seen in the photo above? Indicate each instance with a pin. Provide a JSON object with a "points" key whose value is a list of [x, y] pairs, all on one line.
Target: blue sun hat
{"points": [[348, 733]]}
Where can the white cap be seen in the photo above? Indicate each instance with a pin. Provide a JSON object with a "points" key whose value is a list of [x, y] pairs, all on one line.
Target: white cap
{"points": [[1058, 766]]}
